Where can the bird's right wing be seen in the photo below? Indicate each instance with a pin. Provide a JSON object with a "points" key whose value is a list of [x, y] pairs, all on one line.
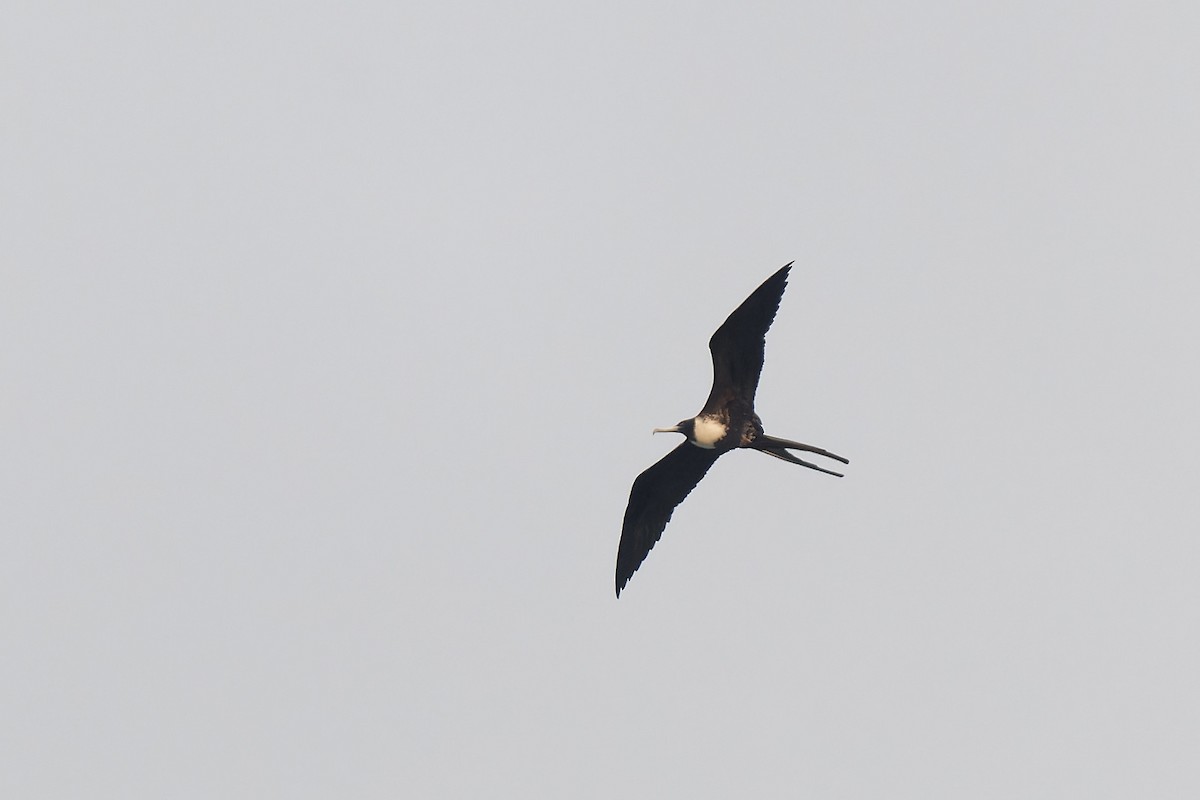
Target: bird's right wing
{"points": [[652, 500]]}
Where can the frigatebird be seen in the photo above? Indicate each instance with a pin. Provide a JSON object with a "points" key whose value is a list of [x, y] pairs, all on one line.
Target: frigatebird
{"points": [[726, 422]]}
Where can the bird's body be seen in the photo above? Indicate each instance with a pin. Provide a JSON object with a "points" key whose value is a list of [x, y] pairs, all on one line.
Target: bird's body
{"points": [[726, 422]]}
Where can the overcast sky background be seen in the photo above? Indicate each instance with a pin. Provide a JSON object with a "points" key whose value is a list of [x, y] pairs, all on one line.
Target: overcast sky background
{"points": [[331, 338]]}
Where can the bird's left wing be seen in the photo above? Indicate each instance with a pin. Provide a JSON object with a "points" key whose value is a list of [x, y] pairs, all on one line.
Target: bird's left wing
{"points": [[737, 346], [652, 500]]}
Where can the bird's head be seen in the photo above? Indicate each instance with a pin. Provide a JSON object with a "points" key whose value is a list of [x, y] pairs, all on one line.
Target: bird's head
{"points": [[685, 427]]}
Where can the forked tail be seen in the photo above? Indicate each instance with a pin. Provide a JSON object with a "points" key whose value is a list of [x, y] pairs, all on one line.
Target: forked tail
{"points": [[779, 448]]}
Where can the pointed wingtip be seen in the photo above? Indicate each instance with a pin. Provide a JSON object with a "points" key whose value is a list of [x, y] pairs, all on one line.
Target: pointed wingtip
{"points": [[783, 273]]}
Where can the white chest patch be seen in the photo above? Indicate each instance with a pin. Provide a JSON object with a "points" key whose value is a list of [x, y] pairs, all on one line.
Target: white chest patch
{"points": [[707, 432]]}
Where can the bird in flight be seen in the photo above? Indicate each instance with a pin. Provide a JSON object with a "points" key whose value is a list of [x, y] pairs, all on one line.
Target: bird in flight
{"points": [[727, 421]]}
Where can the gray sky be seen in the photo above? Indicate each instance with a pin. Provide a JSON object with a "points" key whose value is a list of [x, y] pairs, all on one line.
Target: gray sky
{"points": [[332, 337]]}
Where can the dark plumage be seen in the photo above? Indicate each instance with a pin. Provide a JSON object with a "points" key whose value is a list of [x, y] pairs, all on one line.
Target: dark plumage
{"points": [[727, 421]]}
